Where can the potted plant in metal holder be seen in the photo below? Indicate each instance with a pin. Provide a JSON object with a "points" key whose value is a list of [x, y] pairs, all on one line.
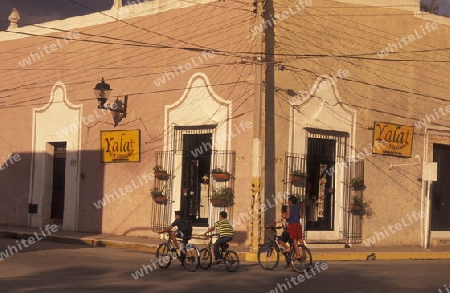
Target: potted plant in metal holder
{"points": [[160, 172], [222, 197], [360, 207], [158, 195], [220, 174], [357, 183], [298, 176]]}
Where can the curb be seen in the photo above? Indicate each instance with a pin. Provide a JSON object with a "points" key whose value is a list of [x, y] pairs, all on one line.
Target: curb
{"points": [[364, 256], [128, 245], [244, 256], [53, 238]]}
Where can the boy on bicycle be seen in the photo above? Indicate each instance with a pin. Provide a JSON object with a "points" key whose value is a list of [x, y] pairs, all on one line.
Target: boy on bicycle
{"points": [[284, 237], [225, 234], [294, 227], [182, 232]]}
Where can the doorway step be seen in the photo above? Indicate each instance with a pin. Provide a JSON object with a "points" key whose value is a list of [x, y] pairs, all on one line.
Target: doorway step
{"points": [[434, 242], [326, 244]]}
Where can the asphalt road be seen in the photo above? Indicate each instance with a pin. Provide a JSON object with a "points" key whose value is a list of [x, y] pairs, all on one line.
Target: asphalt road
{"points": [[56, 267]]}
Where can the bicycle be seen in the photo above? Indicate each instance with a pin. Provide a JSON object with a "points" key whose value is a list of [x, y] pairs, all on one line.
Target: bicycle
{"points": [[189, 255], [269, 254], [229, 257]]}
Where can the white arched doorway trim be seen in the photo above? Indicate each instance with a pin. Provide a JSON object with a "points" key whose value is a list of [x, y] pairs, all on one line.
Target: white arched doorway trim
{"points": [[57, 121], [322, 110]]}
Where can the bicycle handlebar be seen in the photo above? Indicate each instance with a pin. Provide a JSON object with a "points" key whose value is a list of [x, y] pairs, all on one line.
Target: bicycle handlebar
{"points": [[272, 227]]}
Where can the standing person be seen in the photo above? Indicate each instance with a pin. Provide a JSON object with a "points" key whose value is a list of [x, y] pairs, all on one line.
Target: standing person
{"points": [[225, 234], [184, 229], [294, 226]]}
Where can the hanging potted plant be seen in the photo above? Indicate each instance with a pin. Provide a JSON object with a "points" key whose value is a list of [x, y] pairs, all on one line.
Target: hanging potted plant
{"points": [[357, 183], [158, 195], [360, 207], [298, 176], [222, 197], [220, 174], [160, 172]]}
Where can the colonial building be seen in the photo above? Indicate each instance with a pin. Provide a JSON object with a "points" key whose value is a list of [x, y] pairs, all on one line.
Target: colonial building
{"points": [[114, 120], [181, 75], [361, 96]]}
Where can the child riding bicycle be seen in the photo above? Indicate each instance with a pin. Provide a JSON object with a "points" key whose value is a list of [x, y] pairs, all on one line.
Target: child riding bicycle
{"points": [[294, 227], [184, 229], [283, 239], [225, 234]]}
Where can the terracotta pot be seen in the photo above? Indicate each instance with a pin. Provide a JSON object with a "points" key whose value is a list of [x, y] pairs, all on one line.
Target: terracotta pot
{"points": [[358, 186], [357, 212], [220, 203], [221, 176], [161, 175], [160, 199], [299, 179]]}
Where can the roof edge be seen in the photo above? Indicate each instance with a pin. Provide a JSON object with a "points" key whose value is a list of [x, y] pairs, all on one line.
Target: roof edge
{"points": [[143, 8], [404, 5]]}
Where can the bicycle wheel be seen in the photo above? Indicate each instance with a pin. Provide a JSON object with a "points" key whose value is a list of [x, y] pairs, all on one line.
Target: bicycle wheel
{"points": [[163, 256], [305, 263], [192, 258], [268, 256], [231, 261], [205, 258]]}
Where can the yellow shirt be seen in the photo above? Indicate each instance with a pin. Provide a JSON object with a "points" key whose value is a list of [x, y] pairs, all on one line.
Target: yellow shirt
{"points": [[225, 228]]}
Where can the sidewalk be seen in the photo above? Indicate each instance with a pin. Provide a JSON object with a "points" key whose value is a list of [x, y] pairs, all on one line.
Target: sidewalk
{"points": [[148, 244]]}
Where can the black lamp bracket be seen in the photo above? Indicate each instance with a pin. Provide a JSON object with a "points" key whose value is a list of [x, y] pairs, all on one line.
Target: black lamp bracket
{"points": [[122, 109]]}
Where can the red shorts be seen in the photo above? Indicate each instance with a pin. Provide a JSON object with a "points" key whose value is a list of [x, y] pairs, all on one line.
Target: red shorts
{"points": [[295, 231]]}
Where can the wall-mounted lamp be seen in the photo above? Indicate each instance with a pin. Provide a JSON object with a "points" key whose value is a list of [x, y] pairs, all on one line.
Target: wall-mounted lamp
{"points": [[102, 91]]}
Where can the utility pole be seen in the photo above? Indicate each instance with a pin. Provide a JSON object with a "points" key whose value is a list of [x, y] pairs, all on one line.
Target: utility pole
{"points": [[263, 174], [257, 129], [269, 112]]}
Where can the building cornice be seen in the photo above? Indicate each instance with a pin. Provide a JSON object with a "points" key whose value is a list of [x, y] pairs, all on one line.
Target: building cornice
{"points": [[404, 5], [142, 8]]}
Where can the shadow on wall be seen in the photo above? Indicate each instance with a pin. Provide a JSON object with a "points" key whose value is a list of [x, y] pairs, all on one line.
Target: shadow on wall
{"points": [[239, 237], [53, 187]]}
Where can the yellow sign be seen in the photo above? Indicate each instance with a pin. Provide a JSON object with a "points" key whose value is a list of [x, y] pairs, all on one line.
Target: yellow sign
{"points": [[392, 139], [120, 146]]}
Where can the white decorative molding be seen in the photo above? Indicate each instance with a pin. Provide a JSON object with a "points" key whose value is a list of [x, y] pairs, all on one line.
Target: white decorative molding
{"points": [[199, 105], [48, 122], [323, 110]]}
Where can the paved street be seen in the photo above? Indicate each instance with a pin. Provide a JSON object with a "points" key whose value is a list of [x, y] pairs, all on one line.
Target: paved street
{"points": [[57, 267]]}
